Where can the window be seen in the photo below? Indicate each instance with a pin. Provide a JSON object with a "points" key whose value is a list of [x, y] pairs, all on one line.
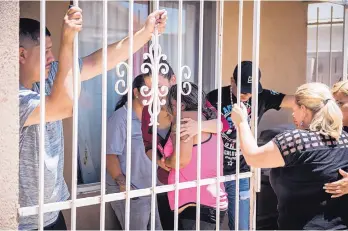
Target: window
{"points": [[90, 39], [318, 41]]}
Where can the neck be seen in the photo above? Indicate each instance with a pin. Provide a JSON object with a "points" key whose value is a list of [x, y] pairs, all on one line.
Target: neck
{"points": [[25, 79], [137, 108]]}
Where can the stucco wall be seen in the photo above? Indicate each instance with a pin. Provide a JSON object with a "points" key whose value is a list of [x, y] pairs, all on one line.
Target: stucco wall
{"points": [[283, 41], [9, 127]]}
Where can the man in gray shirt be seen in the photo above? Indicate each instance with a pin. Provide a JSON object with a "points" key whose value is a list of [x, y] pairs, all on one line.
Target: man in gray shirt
{"points": [[59, 102]]}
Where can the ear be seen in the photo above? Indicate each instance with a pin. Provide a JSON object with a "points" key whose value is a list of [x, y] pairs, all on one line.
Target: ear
{"points": [[173, 80], [22, 55], [182, 106], [305, 112], [136, 93]]}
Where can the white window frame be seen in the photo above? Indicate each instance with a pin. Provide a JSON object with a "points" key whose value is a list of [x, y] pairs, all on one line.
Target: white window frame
{"points": [[313, 62]]}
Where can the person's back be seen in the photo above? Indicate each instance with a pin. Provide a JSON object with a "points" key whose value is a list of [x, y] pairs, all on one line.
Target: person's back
{"points": [[311, 161]]}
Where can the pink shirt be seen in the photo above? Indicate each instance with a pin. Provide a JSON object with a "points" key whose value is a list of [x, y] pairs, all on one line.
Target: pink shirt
{"points": [[208, 170]]}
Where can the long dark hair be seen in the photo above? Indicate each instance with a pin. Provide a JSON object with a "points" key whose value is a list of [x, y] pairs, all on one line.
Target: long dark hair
{"points": [[138, 82], [190, 101]]}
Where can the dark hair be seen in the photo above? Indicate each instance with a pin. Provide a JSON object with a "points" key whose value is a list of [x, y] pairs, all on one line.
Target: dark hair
{"points": [[29, 29], [190, 101], [168, 75], [138, 82]]}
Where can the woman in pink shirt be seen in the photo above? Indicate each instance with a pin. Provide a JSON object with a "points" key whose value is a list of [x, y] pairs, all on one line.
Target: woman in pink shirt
{"points": [[188, 165]]}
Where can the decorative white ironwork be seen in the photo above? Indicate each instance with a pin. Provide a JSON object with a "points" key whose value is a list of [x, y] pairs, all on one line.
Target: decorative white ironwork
{"points": [[187, 76], [121, 74], [145, 69]]}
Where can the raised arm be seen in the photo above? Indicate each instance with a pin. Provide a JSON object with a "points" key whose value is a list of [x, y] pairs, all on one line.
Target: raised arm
{"points": [[119, 51], [59, 103], [266, 156]]}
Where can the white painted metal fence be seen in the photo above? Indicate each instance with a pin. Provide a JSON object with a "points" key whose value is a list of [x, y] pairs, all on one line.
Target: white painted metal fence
{"points": [[155, 53]]}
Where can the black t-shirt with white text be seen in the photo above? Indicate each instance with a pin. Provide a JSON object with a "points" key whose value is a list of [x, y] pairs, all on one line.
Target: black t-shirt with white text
{"points": [[268, 99]]}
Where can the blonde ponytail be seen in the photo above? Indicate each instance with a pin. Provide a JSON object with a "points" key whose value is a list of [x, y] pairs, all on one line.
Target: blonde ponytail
{"points": [[327, 116]]}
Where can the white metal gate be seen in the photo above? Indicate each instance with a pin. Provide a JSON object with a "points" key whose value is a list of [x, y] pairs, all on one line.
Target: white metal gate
{"points": [[154, 102]]}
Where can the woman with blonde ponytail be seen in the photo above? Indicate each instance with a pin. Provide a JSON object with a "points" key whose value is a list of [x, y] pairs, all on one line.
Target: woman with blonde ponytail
{"points": [[303, 160]]}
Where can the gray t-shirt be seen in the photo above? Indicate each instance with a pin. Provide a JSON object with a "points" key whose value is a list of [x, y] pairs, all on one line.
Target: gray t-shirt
{"points": [[55, 189], [116, 143]]}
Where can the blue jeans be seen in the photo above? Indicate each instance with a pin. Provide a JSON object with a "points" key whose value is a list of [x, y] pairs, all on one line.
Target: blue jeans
{"points": [[244, 203]]}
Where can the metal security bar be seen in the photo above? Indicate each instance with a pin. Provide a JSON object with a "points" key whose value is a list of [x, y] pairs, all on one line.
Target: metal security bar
{"points": [[178, 118], [76, 76], [345, 43], [256, 178], [129, 112], [199, 128], [104, 115], [219, 85], [240, 40], [155, 55], [317, 48], [42, 111]]}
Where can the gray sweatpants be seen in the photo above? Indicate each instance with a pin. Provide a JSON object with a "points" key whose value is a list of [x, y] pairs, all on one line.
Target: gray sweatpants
{"points": [[140, 212]]}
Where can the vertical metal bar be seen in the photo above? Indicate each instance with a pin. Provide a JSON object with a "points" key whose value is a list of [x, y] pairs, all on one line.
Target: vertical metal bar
{"points": [[254, 112], [240, 39], [216, 42], [178, 118], [317, 48], [199, 134], [104, 114], [75, 130], [219, 150], [154, 126], [42, 111], [345, 43], [129, 113], [330, 58]]}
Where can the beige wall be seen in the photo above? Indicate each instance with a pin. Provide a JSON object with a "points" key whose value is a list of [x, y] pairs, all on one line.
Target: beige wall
{"points": [[9, 125], [283, 41], [282, 60]]}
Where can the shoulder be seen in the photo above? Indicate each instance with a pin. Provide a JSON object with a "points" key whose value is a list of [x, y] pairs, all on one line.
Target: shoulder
{"points": [[118, 117], [214, 93], [270, 93], [292, 141], [27, 95]]}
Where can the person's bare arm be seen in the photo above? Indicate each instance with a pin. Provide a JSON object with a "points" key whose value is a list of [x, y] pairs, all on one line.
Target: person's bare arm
{"points": [[59, 103], [189, 127], [114, 169], [185, 147], [288, 102], [266, 156], [158, 160], [338, 188], [119, 51]]}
